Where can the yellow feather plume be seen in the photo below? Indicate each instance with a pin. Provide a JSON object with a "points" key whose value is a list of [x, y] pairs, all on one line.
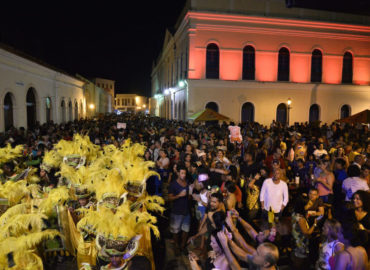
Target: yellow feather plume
{"points": [[14, 191], [52, 159], [18, 225], [112, 184], [18, 209], [26, 242], [8, 153], [57, 196]]}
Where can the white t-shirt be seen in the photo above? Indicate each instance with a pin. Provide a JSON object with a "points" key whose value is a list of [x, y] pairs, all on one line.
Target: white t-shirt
{"points": [[164, 162], [318, 153], [204, 198], [274, 195], [352, 184]]}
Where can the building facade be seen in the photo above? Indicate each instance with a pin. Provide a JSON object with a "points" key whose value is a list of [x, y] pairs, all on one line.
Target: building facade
{"points": [[32, 92], [108, 86], [98, 101], [131, 103], [247, 58]]}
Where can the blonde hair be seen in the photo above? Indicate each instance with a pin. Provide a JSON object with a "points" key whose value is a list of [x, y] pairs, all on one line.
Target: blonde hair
{"points": [[335, 228]]}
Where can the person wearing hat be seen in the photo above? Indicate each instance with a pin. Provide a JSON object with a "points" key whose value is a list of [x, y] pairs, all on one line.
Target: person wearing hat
{"points": [[115, 250]]}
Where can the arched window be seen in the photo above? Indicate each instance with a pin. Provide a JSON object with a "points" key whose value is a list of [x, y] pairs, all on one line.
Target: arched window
{"points": [[347, 70], [179, 110], [8, 111], [212, 105], [316, 66], [249, 64], [81, 110], [212, 61], [63, 111], [345, 111], [314, 113], [183, 111], [247, 112], [31, 107], [70, 111], [281, 113], [76, 110], [48, 109], [283, 65]]}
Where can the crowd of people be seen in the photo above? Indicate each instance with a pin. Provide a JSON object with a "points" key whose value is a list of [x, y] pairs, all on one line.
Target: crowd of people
{"points": [[281, 197]]}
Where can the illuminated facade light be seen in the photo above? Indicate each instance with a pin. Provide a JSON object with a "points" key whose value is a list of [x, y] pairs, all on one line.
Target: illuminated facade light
{"points": [[181, 84], [167, 92], [91, 106]]}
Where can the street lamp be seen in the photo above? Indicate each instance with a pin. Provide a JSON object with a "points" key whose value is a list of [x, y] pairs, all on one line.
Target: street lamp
{"points": [[92, 108], [182, 83], [289, 102]]}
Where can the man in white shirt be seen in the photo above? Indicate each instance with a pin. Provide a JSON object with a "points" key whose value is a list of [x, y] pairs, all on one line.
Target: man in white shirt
{"points": [[274, 195], [353, 182]]}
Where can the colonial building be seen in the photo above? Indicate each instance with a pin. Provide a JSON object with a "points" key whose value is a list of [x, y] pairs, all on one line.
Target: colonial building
{"points": [[32, 91], [130, 103], [98, 100], [108, 86], [258, 60]]}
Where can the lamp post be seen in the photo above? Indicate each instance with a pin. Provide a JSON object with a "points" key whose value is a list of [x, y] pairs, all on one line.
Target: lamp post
{"points": [[289, 102], [92, 107]]}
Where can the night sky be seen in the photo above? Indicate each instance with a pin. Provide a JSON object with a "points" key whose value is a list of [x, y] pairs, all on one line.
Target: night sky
{"points": [[103, 40], [106, 40]]}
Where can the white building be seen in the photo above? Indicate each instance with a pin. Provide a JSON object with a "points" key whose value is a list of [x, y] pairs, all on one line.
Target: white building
{"points": [[247, 58], [31, 91], [108, 86], [131, 103]]}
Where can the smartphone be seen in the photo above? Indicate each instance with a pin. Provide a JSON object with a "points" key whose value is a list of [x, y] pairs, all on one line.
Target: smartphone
{"points": [[202, 177]]}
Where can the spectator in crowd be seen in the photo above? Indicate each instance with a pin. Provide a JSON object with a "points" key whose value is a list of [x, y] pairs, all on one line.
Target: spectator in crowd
{"points": [[180, 215], [331, 246], [325, 182], [361, 203], [301, 232], [274, 195], [353, 255], [353, 182], [320, 151], [185, 152]]}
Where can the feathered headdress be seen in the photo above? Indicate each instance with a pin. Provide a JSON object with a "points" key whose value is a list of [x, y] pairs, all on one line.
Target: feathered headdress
{"points": [[109, 187], [78, 151], [52, 159], [56, 196], [136, 173], [121, 224], [9, 153], [14, 192]]}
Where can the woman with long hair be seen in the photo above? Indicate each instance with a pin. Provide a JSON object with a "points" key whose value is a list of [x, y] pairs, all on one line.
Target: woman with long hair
{"points": [[331, 246], [301, 233], [361, 203], [353, 256]]}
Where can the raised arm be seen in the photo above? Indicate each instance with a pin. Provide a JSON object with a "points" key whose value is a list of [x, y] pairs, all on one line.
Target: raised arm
{"points": [[233, 263]]}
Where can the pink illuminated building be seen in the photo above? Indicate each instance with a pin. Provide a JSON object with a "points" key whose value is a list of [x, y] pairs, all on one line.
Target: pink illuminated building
{"points": [[246, 58]]}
